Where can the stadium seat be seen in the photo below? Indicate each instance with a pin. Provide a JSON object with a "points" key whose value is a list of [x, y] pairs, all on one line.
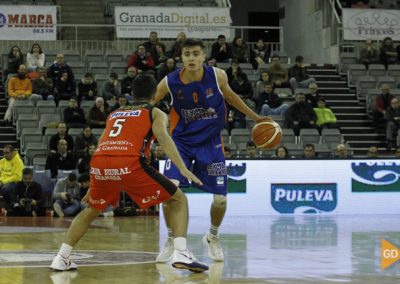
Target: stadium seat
{"points": [[46, 118], [78, 67], [356, 71], [363, 84], [64, 173], [71, 56], [62, 105], [33, 150], [30, 135], [345, 59], [94, 56], [294, 149], [331, 136], [22, 106], [309, 136], [391, 81], [370, 99], [98, 68], [393, 71], [26, 120], [288, 136], [376, 70], [43, 107], [239, 135]]}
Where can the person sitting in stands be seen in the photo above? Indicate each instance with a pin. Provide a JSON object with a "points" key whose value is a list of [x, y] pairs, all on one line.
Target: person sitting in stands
{"points": [[221, 51], [279, 75], [368, 53], [111, 88], [168, 67], [61, 160], [35, 58], [66, 196], [43, 86], [325, 116], [269, 103], [61, 134], [388, 53], [240, 50], [298, 75], [87, 88], [74, 116], [259, 54], [176, 49], [126, 83], [300, 115], [83, 140], [142, 61], [65, 87], [98, 114]]}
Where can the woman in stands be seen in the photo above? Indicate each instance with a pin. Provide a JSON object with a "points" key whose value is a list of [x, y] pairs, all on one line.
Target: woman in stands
{"points": [[158, 54], [281, 153], [35, 58], [14, 60], [240, 50], [264, 77]]}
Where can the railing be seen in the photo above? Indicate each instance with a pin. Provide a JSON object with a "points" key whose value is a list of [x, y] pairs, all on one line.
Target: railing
{"points": [[120, 44]]}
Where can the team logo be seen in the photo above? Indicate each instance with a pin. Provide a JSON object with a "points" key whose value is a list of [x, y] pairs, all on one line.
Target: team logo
{"points": [[375, 176], [209, 93], [304, 198]]}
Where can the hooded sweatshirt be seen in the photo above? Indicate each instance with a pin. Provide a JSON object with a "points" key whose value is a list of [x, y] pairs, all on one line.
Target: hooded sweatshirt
{"points": [[11, 171]]}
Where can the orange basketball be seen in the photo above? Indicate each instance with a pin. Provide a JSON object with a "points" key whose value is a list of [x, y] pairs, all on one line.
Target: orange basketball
{"points": [[266, 134]]}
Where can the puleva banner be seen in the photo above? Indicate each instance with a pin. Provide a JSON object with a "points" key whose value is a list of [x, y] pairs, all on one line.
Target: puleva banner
{"points": [[28, 22]]}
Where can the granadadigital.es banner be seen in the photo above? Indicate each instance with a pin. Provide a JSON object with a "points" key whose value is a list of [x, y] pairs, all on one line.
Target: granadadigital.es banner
{"points": [[28, 22], [203, 22], [375, 24]]}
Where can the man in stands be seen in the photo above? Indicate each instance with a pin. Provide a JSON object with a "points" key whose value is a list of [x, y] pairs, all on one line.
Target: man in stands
{"points": [[62, 160], [309, 151], [279, 75], [298, 75], [126, 83], [74, 116], [153, 40], [87, 88], [392, 116], [66, 196], [300, 115], [43, 85], [55, 71], [143, 62], [111, 88], [221, 51], [61, 134], [382, 102]]}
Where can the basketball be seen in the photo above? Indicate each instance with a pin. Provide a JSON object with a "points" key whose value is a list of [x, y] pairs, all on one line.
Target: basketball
{"points": [[266, 134]]}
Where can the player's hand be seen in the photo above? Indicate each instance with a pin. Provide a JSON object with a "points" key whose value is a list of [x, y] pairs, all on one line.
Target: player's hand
{"points": [[190, 176], [261, 118]]}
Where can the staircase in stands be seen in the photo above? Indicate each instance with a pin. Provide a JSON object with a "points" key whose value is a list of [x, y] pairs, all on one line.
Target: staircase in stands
{"points": [[8, 134], [353, 119]]}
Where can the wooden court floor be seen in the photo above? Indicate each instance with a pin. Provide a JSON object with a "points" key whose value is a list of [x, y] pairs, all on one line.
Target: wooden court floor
{"points": [[269, 249]]}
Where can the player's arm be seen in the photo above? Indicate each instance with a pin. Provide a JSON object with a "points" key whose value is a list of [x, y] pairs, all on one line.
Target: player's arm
{"points": [[162, 91], [159, 128], [232, 98]]}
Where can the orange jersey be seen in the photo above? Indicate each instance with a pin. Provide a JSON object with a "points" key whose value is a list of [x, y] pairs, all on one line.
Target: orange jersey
{"points": [[127, 132]]}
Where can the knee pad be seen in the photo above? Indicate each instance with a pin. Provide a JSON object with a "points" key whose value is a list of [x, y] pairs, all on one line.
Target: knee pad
{"points": [[219, 200]]}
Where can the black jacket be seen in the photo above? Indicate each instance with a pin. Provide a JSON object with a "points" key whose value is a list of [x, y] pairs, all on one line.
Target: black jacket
{"points": [[56, 162]]}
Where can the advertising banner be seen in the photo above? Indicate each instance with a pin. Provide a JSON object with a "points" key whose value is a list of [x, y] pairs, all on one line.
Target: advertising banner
{"points": [[362, 24], [202, 22], [282, 187], [28, 22]]}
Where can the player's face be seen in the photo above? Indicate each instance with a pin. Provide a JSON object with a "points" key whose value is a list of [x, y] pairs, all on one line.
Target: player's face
{"points": [[193, 58]]}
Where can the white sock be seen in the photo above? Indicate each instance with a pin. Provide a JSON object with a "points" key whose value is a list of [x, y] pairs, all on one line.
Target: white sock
{"points": [[170, 234], [214, 230], [65, 250], [180, 243]]}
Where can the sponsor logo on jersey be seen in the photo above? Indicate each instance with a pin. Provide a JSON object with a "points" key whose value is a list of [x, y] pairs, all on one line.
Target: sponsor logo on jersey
{"points": [[304, 198], [209, 93], [148, 199], [190, 115], [375, 176], [126, 113]]}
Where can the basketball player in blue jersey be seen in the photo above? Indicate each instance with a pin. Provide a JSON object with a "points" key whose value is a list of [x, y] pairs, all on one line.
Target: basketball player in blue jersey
{"points": [[198, 94]]}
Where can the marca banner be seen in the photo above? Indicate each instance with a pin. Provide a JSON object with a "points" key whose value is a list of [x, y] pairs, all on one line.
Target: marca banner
{"points": [[28, 22], [202, 22], [361, 24]]}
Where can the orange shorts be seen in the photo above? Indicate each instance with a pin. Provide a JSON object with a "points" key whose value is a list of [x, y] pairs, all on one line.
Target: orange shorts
{"points": [[111, 175]]}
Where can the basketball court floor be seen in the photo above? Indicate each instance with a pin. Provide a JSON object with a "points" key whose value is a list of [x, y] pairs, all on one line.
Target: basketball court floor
{"points": [[258, 249]]}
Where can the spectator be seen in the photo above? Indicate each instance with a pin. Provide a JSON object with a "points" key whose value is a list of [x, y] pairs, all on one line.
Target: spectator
{"points": [[74, 116], [176, 49], [126, 83], [236, 119], [269, 103], [19, 88], [264, 77], [309, 151], [240, 51], [98, 114], [368, 53], [159, 54], [87, 88], [27, 196], [221, 51], [43, 86], [313, 96], [251, 150], [388, 53], [281, 153], [382, 102], [10, 172], [157, 155], [242, 86], [392, 116], [341, 152], [66, 196], [84, 182], [14, 60], [298, 75], [61, 134], [372, 152], [83, 140], [62, 160], [111, 88], [259, 54], [56, 70], [168, 67], [121, 103], [84, 163], [325, 116], [228, 153], [279, 75], [233, 71], [142, 61], [35, 58], [300, 115], [153, 40], [64, 88]]}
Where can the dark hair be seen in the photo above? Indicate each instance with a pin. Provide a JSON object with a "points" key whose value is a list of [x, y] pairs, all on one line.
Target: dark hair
{"points": [[113, 75], [11, 51], [284, 148], [84, 177], [227, 149], [190, 42], [299, 58], [321, 100], [144, 86], [251, 144], [267, 83], [234, 60], [309, 146], [9, 147], [88, 74], [36, 44], [72, 176], [242, 75], [159, 44], [27, 171], [221, 36]]}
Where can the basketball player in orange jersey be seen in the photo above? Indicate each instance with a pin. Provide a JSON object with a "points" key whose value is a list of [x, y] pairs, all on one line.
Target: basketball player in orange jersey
{"points": [[121, 163], [198, 94]]}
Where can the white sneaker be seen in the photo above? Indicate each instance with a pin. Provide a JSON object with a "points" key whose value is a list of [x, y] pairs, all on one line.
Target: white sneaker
{"points": [[58, 210], [62, 264], [185, 260], [215, 251], [166, 254]]}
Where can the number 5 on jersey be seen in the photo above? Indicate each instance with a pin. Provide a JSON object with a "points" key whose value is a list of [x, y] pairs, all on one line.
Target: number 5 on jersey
{"points": [[117, 127]]}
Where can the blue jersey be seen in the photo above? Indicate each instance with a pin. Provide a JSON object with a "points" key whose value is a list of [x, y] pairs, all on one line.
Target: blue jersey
{"points": [[198, 108]]}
